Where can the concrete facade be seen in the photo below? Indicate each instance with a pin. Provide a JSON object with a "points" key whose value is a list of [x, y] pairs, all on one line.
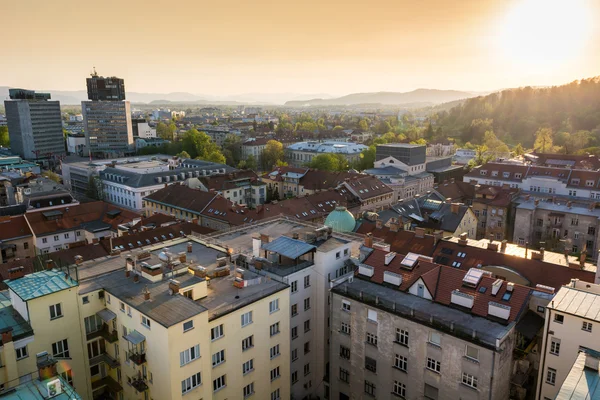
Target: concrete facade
{"points": [[107, 125]]}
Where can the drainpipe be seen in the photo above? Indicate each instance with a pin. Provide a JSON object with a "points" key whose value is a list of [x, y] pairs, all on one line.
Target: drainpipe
{"points": [[542, 367], [492, 377]]}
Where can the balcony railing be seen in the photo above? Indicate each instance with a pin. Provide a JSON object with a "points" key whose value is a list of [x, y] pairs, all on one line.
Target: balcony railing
{"points": [[109, 383], [105, 358], [109, 334], [138, 358], [139, 384]]}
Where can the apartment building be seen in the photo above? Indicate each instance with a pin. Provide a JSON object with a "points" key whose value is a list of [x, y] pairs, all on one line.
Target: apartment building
{"points": [[405, 327], [299, 154], [239, 187], [254, 147], [372, 193], [572, 321], [16, 238], [292, 182]]}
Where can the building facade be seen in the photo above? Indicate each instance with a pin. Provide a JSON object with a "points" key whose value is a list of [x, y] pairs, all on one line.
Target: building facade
{"points": [[299, 154], [34, 125], [107, 126]]}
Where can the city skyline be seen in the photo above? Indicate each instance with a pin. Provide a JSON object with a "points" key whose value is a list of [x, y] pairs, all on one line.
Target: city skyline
{"points": [[335, 49]]}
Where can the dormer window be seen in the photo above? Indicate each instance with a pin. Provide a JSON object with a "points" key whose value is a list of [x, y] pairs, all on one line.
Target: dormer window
{"points": [[589, 183], [506, 174], [574, 181], [483, 172], [518, 175], [494, 173]]}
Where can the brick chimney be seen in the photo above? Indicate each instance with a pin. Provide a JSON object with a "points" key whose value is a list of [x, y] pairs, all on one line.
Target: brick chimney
{"points": [[49, 264], [174, 286], [437, 236], [419, 232], [394, 225], [378, 224], [264, 238], [503, 246], [16, 272], [6, 334], [78, 260], [183, 257], [136, 278], [46, 366], [448, 200], [369, 240], [454, 207], [146, 294], [462, 239]]}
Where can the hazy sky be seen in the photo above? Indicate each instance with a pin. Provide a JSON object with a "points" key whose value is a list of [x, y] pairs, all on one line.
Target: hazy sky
{"points": [[305, 46]]}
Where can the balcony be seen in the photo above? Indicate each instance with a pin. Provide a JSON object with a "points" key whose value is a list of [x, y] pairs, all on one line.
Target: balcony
{"points": [[109, 334], [136, 352], [108, 382], [139, 384], [138, 358], [106, 359]]}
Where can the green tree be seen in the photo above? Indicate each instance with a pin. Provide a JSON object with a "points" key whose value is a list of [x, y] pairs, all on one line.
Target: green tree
{"points": [[199, 145], [495, 146], [481, 157], [367, 159], [519, 151], [162, 131], [420, 141], [329, 162], [363, 125], [183, 154], [4, 139], [390, 137], [543, 140], [251, 162], [272, 154], [232, 149], [52, 176]]}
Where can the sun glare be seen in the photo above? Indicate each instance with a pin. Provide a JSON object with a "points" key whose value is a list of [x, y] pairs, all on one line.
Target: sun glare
{"points": [[545, 34]]}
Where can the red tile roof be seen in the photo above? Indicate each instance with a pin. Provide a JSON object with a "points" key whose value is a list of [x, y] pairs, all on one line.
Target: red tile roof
{"points": [[229, 181], [402, 241], [13, 227], [366, 187], [181, 196]]}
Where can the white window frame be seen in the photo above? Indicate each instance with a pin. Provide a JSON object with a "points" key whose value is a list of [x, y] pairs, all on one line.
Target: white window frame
{"points": [[217, 332], [246, 319], [189, 355]]}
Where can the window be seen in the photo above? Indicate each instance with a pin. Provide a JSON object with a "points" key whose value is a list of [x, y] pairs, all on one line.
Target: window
{"points": [[371, 364], [306, 347], [191, 383], [246, 318], [186, 325], [551, 376], [216, 332], [248, 389], [67, 376], [44, 240], [306, 369], [344, 352], [401, 362], [307, 281], [431, 392], [219, 383], [472, 352], [344, 375], [345, 328], [122, 307], [345, 252], [218, 358], [189, 355], [372, 315], [294, 377], [433, 365], [93, 323], [95, 370], [248, 366], [56, 311], [399, 389], [369, 388], [555, 346], [56, 238], [66, 235], [307, 304], [338, 255], [435, 338], [275, 395], [559, 318], [402, 336], [346, 305], [85, 299], [60, 349], [145, 322], [591, 230], [469, 380], [371, 339], [294, 354], [274, 329], [587, 326], [274, 306], [294, 332], [541, 309], [294, 286], [248, 343], [294, 310], [21, 352], [274, 351], [275, 373]]}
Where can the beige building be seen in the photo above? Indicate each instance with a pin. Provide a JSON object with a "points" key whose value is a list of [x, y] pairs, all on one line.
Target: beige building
{"points": [[572, 322]]}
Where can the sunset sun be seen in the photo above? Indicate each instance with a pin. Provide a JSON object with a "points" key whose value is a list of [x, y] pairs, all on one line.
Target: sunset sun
{"points": [[545, 33]]}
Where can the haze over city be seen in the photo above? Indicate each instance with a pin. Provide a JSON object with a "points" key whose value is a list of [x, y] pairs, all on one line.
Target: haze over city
{"points": [[335, 48]]}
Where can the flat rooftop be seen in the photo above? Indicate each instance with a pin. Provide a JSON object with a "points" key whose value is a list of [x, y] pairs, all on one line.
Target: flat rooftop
{"points": [[520, 251], [9, 318], [463, 324], [36, 389]]}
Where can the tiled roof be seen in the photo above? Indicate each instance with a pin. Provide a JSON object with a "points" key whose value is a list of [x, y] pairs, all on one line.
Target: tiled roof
{"points": [[78, 216], [257, 142], [181, 196], [229, 181], [40, 284], [14, 227], [510, 169], [535, 271], [366, 187], [155, 220], [154, 236], [402, 241], [26, 263], [88, 252], [315, 179]]}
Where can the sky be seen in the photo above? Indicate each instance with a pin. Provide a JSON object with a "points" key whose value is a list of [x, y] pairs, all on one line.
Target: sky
{"points": [[306, 46]]}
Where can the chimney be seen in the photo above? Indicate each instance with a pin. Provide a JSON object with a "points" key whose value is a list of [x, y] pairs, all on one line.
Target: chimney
{"points": [[146, 294], [127, 273], [295, 235], [569, 204], [49, 264], [46, 366], [448, 200], [369, 240], [16, 272], [183, 257], [394, 225], [378, 224], [389, 257], [462, 239], [492, 246], [454, 207], [6, 334], [78, 260], [136, 278], [536, 202], [582, 258], [437, 236], [174, 286], [419, 232], [195, 221], [503, 246], [264, 238], [592, 206], [189, 247], [199, 271]]}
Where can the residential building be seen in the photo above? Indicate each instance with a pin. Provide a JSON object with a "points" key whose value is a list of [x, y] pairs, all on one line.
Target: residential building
{"points": [[140, 143], [572, 161], [583, 380], [572, 321], [292, 182], [302, 153], [371, 192], [16, 238], [408, 327], [440, 149], [239, 187], [67, 225], [107, 126], [34, 125], [254, 147]]}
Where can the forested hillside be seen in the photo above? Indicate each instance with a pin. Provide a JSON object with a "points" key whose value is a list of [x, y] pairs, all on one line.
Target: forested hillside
{"points": [[571, 111]]}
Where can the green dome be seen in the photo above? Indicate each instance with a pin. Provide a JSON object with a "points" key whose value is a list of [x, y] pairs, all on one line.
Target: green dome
{"points": [[340, 220]]}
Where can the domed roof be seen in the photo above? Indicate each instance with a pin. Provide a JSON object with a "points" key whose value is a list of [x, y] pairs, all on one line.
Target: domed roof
{"points": [[340, 220]]}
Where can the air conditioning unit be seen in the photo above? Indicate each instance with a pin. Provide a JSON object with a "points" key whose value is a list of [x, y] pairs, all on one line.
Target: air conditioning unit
{"points": [[54, 388]]}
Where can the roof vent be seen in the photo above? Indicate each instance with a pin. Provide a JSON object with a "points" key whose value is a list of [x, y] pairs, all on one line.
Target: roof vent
{"points": [[392, 278], [389, 257], [472, 277], [510, 286], [496, 286], [462, 299], [366, 270]]}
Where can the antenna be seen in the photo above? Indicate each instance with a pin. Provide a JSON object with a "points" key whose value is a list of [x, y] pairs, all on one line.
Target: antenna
{"points": [[94, 73]]}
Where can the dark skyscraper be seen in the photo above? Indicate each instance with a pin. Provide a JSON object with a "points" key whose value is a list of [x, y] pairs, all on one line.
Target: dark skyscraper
{"points": [[105, 89]]}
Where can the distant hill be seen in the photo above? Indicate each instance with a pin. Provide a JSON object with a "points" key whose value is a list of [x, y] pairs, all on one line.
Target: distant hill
{"points": [[515, 115], [419, 96]]}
